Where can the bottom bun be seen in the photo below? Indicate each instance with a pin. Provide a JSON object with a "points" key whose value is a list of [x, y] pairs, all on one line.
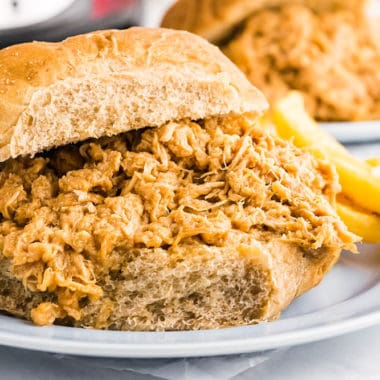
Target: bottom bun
{"points": [[198, 288]]}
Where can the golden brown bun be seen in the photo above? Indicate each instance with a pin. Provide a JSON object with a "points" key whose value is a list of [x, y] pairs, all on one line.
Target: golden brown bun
{"points": [[215, 19], [108, 82]]}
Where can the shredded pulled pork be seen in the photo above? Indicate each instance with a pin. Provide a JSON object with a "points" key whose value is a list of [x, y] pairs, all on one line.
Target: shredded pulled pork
{"points": [[333, 58], [69, 215]]}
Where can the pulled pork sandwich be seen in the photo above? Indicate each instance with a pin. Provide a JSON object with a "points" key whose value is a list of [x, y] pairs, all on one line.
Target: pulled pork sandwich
{"points": [[325, 49], [137, 191]]}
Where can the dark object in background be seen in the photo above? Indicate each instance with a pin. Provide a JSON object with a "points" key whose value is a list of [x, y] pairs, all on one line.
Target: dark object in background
{"points": [[18, 19]]}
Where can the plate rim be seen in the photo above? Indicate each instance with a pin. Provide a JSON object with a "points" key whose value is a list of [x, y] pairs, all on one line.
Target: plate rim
{"points": [[351, 132], [186, 350], [210, 347]]}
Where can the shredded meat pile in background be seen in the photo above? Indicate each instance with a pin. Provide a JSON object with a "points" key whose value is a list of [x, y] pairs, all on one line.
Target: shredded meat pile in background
{"points": [[333, 58], [68, 216]]}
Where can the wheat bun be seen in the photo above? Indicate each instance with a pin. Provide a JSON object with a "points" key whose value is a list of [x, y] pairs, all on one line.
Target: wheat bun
{"points": [[215, 19], [235, 289], [108, 82]]}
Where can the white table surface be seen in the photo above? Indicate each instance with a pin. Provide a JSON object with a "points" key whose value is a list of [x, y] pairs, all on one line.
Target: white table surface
{"points": [[354, 356]]}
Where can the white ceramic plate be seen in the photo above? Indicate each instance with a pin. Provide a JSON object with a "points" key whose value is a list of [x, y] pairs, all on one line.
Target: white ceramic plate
{"points": [[354, 132], [347, 300]]}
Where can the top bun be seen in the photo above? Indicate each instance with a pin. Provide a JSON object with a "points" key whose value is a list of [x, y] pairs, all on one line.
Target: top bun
{"points": [[109, 82], [215, 19]]}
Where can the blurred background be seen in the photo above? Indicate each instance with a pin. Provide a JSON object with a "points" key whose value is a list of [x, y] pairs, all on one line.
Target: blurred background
{"points": [[53, 20], [27, 20]]}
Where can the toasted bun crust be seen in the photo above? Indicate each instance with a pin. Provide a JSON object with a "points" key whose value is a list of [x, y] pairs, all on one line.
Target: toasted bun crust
{"points": [[214, 19], [109, 82]]}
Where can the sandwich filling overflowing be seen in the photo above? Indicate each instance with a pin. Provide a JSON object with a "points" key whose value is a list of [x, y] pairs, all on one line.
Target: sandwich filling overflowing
{"points": [[79, 214]]}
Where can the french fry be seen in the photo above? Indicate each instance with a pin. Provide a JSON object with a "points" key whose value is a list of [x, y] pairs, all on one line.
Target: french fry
{"points": [[294, 123], [358, 182], [356, 177], [374, 162], [375, 165], [360, 222]]}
